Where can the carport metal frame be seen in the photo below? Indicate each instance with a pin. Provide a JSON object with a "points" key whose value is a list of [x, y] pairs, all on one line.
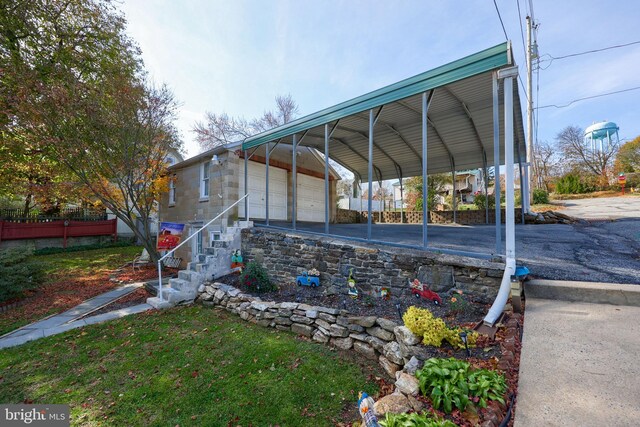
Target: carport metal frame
{"points": [[492, 60]]}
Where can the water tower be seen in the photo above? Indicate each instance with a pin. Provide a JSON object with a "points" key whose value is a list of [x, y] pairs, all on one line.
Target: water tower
{"points": [[600, 136]]}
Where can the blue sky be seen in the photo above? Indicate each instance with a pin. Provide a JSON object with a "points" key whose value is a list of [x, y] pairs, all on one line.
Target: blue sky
{"points": [[236, 56]]}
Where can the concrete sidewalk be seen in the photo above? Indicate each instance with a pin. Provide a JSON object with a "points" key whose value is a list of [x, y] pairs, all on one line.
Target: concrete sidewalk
{"points": [[579, 365], [73, 318]]}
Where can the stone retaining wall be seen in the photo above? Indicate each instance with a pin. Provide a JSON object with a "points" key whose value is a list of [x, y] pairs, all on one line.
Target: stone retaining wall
{"points": [[375, 338], [286, 254]]}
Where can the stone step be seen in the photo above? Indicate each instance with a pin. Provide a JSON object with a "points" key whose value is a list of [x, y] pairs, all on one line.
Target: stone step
{"points": [[190, 275], [180, 285], [243, 224]]}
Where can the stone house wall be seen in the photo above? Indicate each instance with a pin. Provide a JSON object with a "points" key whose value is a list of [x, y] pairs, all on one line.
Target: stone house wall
{"points": [[287, 254]]}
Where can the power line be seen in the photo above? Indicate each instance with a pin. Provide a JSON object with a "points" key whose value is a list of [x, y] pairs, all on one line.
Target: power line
{"points": [[589, 97], [555, 58], [501, 22], [507, 38], [521, 29]]}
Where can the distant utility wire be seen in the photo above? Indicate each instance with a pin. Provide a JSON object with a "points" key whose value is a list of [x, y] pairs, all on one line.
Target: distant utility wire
{"points": [[589, 97], [501, 21], [555, 58]]}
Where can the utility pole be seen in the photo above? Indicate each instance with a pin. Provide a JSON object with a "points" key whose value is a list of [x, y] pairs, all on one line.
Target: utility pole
{"points": [[529, 171]]}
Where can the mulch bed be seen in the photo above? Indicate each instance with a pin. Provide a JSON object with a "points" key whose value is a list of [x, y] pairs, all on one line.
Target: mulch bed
{"points": [[139, 296], [68, 291], [501, 353]]}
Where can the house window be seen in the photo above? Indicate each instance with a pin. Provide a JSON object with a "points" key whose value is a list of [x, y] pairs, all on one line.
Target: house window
{"points": [[204, 180], [172, 190]]}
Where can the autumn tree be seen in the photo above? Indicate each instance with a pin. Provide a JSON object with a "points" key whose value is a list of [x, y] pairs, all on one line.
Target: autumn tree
{"points": [[436, 184], [74, 93], [628, 157], [582, 158], [220, 128], [548, 165]]}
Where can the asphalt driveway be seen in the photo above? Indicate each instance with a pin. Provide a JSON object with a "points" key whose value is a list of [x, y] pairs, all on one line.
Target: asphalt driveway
{"points": [[596, 251]]}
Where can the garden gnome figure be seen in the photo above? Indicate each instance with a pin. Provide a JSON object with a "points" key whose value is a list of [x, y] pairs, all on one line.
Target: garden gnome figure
{"points": [[351, 283], [236, 260], [365, 408]]}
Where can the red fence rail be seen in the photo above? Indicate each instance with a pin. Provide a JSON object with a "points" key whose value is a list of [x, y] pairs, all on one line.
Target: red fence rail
{"points": [[57, 229]]}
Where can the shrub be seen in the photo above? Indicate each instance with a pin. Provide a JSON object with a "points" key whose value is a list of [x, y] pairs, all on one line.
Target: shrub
{"points": [[450, 382], [121, 243], [571, 183], [17, 273], [414, 420], [457, 303], [433, 330], [255, 278], [481, 201], [540, 197]]}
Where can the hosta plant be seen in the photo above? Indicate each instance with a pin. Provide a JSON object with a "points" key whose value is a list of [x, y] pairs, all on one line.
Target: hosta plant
{"points": [[452, 383], [414, 420]]}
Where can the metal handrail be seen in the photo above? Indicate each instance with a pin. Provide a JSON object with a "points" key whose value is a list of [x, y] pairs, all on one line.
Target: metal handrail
{"points": [[189, 238]]}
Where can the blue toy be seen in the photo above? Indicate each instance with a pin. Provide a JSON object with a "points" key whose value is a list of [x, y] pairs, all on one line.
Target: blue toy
{"points": [[306, 280]]}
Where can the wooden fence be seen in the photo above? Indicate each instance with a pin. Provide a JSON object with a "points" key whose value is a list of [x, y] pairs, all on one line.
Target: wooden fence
{"points": [[72, 214], [10, 230]]}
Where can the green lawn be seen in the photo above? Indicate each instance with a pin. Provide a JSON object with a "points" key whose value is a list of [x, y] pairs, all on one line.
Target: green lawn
{"points": [[188, 366]]}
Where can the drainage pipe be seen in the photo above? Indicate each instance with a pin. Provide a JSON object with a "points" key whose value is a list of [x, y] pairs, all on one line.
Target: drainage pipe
{"points": [[510, 238]]}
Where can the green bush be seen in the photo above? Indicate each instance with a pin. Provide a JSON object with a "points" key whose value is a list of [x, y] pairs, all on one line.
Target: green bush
{"points": [[540, 197], [481, 201], [414, 420], [571, 183], [451, 382], [18, 273], [255, 278]]}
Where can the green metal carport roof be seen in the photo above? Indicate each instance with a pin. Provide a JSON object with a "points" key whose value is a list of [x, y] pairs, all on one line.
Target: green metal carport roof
{"points": [[460, 121]]}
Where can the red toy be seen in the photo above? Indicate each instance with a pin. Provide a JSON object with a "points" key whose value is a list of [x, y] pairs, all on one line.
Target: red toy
{"points": [[422, 290]]}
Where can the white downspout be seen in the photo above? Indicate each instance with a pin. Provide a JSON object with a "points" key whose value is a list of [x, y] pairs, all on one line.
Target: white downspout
{"points": [[510, 238]]}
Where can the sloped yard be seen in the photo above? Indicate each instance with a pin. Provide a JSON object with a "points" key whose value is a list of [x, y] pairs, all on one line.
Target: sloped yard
{"points": [[68, 280], [185, 366]]}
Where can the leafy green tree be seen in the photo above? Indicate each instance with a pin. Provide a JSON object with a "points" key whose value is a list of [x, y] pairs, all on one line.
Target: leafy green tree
{"points": [[73, 92], [435, 185]]}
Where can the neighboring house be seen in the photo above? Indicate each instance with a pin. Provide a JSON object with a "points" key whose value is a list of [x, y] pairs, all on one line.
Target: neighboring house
{"points": [[467, 184], [200, 189], [399, 199]]}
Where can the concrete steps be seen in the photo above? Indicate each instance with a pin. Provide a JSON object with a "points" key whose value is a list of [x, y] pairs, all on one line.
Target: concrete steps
{"points": [[589, 292], [213, 263]]}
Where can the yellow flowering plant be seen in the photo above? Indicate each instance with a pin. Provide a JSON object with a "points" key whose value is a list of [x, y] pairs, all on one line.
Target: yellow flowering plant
{"points": [[434, 330]]}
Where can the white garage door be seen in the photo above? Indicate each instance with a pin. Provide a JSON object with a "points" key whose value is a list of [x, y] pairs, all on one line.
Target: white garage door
{"points": [[310, 196], [258, 191]]}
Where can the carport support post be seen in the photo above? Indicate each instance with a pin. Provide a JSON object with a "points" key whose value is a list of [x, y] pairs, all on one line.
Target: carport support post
{"points": [[266, 196], [326, 178], [454, 199], [370, 173], [425, 193], [294, 181], [523, 194], [246, 187], [485, 179], [496, 163], [510, 241]]}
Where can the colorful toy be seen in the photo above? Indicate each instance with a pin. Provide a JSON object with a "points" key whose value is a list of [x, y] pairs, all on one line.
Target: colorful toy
{"points": [[351, 283], [422, 290], [385, 293], [236, 260], [308, 279], [365, 408]]}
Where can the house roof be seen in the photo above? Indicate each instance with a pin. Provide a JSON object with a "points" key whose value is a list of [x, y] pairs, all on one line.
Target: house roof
{"points": [[460, 121]]}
